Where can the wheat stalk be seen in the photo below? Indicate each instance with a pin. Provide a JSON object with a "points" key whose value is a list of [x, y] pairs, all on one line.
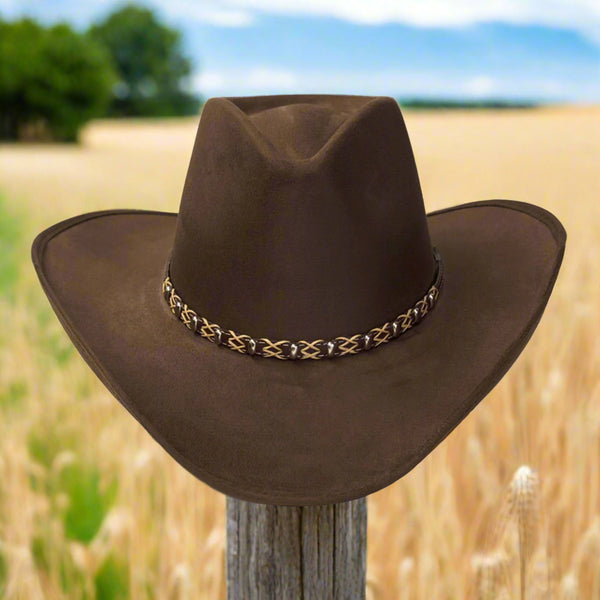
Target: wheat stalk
{"points": [[569, 587], [489, 569], [523, 506]]}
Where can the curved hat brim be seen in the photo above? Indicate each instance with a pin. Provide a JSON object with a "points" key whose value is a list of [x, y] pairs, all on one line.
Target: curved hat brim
{"points": [[301, 432]]}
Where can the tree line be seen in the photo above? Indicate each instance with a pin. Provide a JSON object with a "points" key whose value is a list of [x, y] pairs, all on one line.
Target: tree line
{"points": [[53, 79]]}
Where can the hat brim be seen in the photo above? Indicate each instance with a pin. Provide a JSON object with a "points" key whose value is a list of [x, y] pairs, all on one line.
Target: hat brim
{"points": [[301, 432]]}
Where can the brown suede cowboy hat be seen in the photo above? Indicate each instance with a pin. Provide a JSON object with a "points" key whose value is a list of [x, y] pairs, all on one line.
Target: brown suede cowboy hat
{"points": [[302, 331]]}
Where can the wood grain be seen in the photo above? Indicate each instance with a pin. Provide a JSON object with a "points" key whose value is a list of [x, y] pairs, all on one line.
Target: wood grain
{"points": [[296, 552]]}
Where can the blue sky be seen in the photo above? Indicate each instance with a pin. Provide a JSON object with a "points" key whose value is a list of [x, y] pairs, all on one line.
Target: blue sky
{"points": [[546, 50]]}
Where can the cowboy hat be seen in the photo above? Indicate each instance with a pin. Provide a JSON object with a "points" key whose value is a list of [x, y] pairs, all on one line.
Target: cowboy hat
{"points": [[301, 331]]}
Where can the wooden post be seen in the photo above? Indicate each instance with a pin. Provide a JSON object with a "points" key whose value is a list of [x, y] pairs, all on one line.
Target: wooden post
{"points": [[296, 552]]}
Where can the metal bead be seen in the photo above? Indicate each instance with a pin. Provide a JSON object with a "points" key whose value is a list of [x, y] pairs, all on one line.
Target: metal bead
{"points": [[368, 337], [178, 307], [331, 346], [431, 299], [167, 289], [294, 350], [190, 324], [416, 315], [251, 346], [395, 329], [218, 336], [194, 323]]}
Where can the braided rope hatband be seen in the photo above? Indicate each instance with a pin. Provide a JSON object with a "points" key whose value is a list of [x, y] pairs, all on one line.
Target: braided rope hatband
{"points": [[301, 349]]}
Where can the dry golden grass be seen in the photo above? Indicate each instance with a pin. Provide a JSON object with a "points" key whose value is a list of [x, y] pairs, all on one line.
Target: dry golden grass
{"points": [[446, 530]]}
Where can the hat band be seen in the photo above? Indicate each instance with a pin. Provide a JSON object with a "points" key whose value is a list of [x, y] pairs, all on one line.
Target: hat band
{"points": [[302, 349]]}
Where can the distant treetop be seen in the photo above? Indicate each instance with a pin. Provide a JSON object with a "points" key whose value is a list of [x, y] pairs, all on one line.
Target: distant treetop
{"points": [[152, 69], [54, 79]]}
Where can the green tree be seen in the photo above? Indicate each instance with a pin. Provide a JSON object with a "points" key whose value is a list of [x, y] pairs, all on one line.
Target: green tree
{"points": [[52, 80], [153, 71]]}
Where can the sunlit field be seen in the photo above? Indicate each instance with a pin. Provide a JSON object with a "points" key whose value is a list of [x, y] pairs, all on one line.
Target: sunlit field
{"points": [[92, 507]]}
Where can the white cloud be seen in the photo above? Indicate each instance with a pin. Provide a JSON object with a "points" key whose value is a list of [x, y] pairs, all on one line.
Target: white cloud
{"points": [[393, 82], [229, 18], [579, 15], [582, 15], [208, 12], [246, 80], [209, 81], [481, 85], [265, 78], [261, 77]]}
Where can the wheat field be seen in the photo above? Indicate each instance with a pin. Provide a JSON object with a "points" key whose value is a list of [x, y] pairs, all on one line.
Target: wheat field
{"points": [[508, 506]]}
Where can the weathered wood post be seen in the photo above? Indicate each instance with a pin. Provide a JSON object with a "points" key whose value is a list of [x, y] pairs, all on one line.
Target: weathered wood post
{"points": [[296, 552]]}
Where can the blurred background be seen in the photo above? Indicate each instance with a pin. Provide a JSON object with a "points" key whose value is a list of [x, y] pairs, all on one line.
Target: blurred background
{"points": [[99, 105], [64, 62]]}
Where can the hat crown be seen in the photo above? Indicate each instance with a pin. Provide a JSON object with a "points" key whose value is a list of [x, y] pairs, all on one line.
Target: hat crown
{"points": [[301, 216]]}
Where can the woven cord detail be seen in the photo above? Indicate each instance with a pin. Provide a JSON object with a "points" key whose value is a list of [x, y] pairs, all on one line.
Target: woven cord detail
{"points": [[304, 349]]}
